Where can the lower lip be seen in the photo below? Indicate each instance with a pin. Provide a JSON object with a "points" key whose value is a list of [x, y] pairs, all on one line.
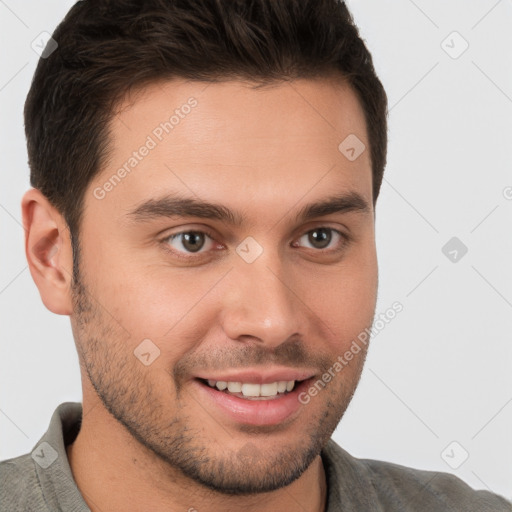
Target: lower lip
{"points": [[256, 412]]}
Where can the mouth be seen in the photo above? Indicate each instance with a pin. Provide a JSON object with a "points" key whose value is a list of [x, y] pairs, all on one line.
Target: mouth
{"points": [[253, 391], [250, 403]]}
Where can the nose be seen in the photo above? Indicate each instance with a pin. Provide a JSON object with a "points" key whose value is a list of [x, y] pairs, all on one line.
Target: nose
{"points": [[259, 304]]}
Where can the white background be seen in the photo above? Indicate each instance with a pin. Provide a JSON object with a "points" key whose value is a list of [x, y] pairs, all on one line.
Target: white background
{"points": [[441, 370]]}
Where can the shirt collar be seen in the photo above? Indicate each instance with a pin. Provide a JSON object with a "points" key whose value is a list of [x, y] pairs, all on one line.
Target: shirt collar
{"points": [[348, 485]]}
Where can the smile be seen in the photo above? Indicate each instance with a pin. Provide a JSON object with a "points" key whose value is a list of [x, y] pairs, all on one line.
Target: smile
{"points": [[250, 403], [253, 391]]}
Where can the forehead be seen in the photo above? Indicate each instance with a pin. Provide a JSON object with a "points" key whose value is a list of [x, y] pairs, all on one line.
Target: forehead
{"points": [[231, 141]]}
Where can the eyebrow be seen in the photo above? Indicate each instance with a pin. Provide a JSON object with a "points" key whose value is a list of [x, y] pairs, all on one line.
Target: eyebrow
{"points": [[170, 206]]}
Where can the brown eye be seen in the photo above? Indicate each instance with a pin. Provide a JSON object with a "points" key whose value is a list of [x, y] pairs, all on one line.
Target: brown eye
{"points": [[320, 238], [193, 241], [190, 241], [323, 237]]}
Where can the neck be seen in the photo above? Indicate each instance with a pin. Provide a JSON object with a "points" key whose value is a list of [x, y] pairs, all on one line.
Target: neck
{"points": [[115, 472]]}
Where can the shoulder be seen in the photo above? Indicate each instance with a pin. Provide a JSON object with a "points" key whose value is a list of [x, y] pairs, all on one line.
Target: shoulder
{"points": [[400, 488], [419, 489], [20, 489], [41, 480]]}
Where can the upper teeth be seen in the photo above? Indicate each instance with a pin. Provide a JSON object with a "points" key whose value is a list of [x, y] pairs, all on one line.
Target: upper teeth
{"points": [[250, 389]]}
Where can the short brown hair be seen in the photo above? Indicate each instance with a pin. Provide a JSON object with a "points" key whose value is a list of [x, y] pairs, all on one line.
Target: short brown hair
{"points": [[107, 47]]}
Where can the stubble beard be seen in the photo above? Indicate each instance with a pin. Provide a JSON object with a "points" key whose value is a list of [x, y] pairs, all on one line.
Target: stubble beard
{"points": [[127, 391]]}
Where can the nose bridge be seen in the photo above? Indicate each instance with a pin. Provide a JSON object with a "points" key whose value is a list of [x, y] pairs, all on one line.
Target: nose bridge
{"points": [[259, 303]]}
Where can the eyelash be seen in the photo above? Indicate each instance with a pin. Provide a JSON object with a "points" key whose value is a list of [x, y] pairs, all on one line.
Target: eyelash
{"points": [[345, 240]]}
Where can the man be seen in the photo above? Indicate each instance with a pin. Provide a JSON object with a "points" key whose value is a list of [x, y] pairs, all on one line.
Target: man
{"points": [[205, 178]]}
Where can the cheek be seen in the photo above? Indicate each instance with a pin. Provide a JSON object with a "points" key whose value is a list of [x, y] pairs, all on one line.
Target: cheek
{"points": [[344, 298], [157, 303]]}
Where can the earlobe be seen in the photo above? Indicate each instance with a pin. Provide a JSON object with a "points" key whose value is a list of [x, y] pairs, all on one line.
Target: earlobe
{"points": [[48, 251]]}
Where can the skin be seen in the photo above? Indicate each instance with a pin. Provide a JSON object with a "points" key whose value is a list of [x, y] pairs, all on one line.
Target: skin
{"points": [[149, 440]]}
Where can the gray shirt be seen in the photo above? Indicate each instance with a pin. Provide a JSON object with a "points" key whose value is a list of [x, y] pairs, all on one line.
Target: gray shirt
{"points": [[42, 481]]}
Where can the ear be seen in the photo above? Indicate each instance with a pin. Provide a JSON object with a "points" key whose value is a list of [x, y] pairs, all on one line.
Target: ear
{"points": [[48, 251]]}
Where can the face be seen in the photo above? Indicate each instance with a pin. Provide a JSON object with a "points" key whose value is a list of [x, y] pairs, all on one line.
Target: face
{"points": [[204, 265]]}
